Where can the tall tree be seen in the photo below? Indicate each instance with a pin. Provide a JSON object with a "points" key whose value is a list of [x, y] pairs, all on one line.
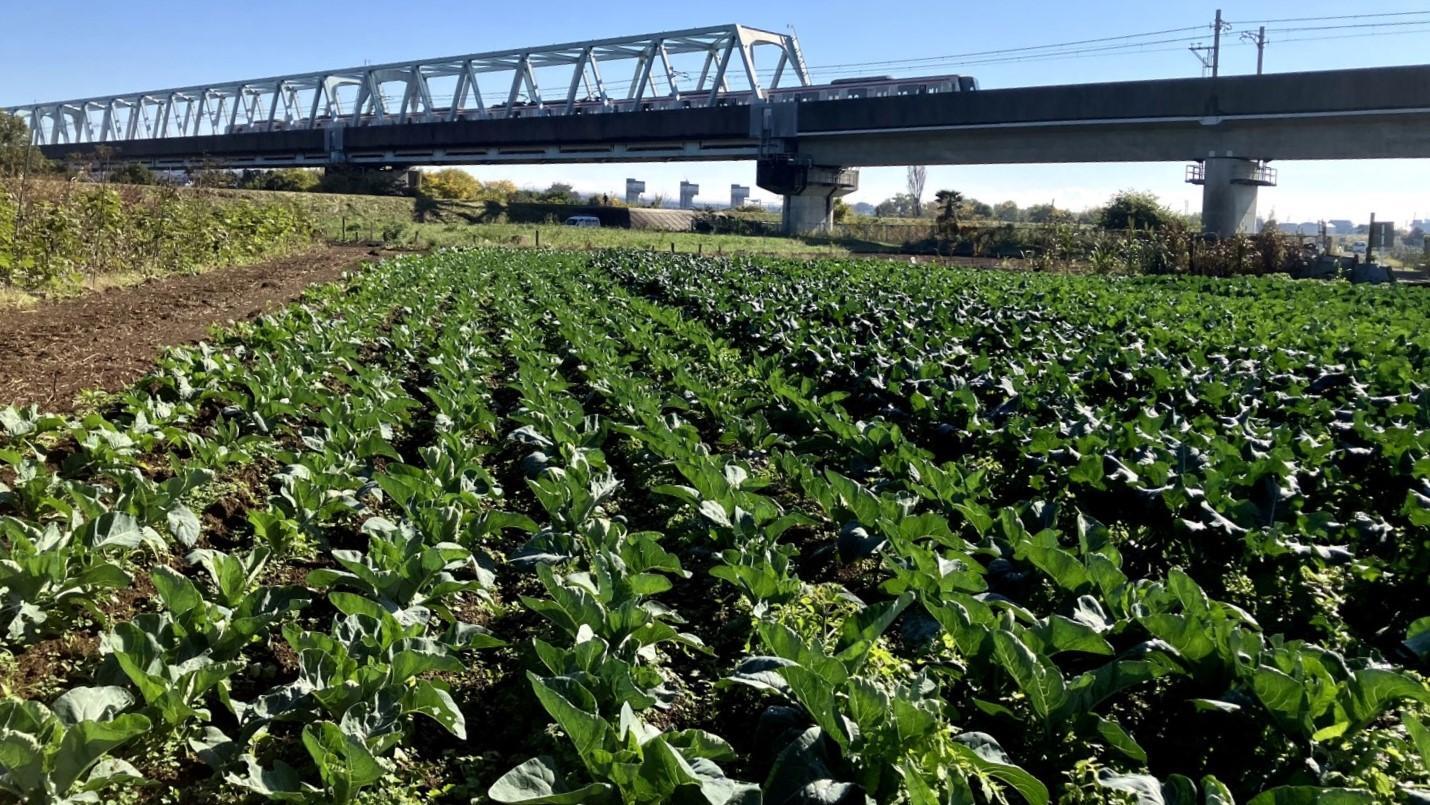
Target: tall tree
{"points": [[950, 213], [451, 183], [1133, 210], [17, 156], [917, 176]]}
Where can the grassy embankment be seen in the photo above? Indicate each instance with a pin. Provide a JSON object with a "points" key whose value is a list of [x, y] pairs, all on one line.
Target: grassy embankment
{"points": [[394, 220], [64, 238]]}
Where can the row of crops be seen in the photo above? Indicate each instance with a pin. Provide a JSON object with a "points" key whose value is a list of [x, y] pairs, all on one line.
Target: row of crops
{"points": [[630, 528]]}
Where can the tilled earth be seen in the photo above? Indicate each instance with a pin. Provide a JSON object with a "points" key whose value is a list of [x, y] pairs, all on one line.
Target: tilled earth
{"points": [[106, 340]]}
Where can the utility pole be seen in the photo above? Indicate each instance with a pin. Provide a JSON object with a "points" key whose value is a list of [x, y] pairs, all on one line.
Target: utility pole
{"points": [[1216, 45], [1258, 39], [1370, 242], [1210, 57]]}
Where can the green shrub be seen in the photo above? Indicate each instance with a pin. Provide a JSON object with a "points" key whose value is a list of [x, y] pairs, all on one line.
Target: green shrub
{"points": [[56, 240]]}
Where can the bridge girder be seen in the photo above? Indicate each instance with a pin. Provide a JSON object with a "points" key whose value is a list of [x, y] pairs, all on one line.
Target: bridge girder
{"points": [[406, 92]]}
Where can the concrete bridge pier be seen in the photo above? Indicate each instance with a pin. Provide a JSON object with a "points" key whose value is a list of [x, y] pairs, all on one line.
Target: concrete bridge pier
{"points": [[1229, 190], [809, 191]]}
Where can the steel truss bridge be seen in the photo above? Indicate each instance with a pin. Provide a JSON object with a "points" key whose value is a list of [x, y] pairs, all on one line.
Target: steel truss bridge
{"points": [[442, 90], [698, 95]]}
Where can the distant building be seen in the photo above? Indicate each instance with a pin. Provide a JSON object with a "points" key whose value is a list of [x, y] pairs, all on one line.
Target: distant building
{"points": [[1340, 226]]}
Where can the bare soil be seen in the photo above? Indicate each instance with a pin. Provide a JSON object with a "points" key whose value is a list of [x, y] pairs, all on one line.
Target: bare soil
{"points": [[106, 340]]}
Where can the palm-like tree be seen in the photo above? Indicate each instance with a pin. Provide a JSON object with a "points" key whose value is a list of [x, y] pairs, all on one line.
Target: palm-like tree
{"points": [[950, 208]]}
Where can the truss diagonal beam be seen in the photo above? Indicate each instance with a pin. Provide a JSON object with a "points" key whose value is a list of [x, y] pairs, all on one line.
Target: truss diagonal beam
{"points": [[403, 92]]}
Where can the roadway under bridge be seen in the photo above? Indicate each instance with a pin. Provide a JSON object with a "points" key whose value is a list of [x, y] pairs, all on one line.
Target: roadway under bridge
{"points": [[808, 140]]}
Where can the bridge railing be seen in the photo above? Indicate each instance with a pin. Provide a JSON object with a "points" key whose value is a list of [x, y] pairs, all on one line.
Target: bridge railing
{"points": [[689, 68]]}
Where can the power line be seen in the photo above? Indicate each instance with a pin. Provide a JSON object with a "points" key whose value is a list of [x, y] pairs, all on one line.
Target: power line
{"points": [[1340, 37], [1122, 45], [1018, 55], [1335, 18], [951, 58], [1353, 26], [994, 57]]}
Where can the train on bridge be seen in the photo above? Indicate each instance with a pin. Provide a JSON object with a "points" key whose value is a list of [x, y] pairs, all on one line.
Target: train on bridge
{"points": [[839, 90]]}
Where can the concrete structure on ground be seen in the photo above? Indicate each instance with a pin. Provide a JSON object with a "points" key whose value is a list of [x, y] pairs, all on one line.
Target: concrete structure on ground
{"points": [[739, 194], [1229, 190], [634, 188], [688, 192], [807, 142], [809, 192]]}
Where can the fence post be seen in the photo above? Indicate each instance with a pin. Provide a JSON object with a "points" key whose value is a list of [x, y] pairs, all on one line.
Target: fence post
{"points": [[344, 220], [538, 238]]}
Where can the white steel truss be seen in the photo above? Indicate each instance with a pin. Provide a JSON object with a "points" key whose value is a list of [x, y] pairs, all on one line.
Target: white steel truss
{"points": [[411, 92]]}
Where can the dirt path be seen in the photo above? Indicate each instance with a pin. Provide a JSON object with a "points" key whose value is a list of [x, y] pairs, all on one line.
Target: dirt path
{"points": [[109, 339]]}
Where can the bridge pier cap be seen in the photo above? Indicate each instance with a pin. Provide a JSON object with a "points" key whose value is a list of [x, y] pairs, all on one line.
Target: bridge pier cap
{"points": [[1230, 186], [808, 190]]}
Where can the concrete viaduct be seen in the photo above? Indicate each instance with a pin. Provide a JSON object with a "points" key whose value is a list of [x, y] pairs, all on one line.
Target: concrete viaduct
{"points": [[809, 146]]}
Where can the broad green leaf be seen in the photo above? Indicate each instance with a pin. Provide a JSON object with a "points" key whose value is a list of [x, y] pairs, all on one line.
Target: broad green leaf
{"points": [[438, 705], [1311, 795], [1417, 638], [344, 763], [818, 698], [184, 525], [1145, 788], [280, 783], [179, 595], [988, 757], [91, 704], [1282, 695], [1371, 690], [858, 634], [1119, 739], [536, 782], [1037, 677], [22, 757], [1215, 792], [1059, 634], [85, 743], [588, 732]]}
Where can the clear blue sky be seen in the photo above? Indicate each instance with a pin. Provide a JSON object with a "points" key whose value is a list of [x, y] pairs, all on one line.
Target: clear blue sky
{"points": [[73, 48]]}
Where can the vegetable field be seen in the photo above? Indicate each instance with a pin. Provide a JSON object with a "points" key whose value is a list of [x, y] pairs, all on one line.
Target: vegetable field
{"points": [[534, 527]]}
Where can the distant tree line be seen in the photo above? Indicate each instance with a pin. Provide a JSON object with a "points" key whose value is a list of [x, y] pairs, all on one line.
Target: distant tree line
{"points": [[1126, 210]]}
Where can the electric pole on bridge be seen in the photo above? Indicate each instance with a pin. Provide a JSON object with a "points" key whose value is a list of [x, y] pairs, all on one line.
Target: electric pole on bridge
{"points": [[1258, 39], [1210, 56]]}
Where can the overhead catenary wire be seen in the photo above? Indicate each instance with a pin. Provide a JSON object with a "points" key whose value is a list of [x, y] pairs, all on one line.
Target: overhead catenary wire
{"points": [[1353, 26], [991, 57], [1121, 45], [951, 58], [1341, 37], [1333, 18]]}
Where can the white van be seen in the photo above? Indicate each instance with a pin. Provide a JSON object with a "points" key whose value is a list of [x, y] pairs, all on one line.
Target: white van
{"points": [[584, 221]]}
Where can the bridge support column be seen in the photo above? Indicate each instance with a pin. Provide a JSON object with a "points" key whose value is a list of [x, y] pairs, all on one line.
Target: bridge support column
{"points": [[1229, 191], [809, 191]]}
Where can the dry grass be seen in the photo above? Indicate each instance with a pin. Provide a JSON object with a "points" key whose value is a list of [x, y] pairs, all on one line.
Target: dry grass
{"points": [[15, 299]]}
